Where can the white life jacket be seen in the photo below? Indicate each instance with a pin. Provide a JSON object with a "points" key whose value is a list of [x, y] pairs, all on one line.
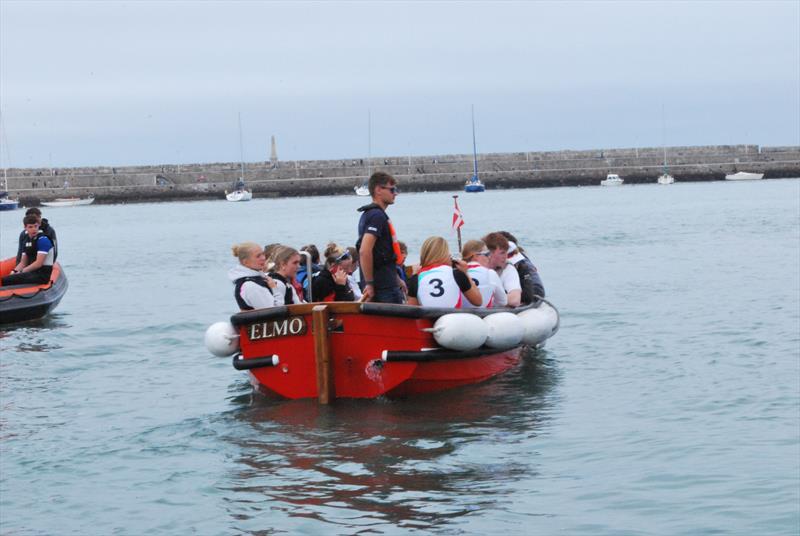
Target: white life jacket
{"points": [[436, 287], [485, 282]]}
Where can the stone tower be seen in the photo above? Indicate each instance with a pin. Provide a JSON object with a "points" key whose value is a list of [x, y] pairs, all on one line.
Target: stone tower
{"points": [[273, 152]]}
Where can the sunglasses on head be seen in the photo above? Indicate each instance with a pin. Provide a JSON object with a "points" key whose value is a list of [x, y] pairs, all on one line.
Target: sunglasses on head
{"points": [[343, 257], [484, 253]]}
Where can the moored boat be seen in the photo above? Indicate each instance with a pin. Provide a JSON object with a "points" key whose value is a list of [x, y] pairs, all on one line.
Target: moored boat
{"points": [[744, 176], [474, 184], [68, 202], [19, 303], [612, 179], [361, 190], [366, 350], [6, 203]]}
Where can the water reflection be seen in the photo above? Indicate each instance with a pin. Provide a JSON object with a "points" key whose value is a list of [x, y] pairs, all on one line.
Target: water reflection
{"points": [[415, 463], [33, 335]]}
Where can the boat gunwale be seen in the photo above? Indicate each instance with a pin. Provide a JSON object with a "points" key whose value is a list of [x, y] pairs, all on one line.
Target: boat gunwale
{"points": [[367, 308]]}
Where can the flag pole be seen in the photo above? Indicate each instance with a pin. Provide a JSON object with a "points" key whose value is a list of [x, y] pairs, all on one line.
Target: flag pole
{"points": [[458, 229]]}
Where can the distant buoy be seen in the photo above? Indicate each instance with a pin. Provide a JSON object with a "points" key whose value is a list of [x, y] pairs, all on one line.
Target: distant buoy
{"points": [[538, 323], [504, 330], [222, 339], [460, 331]]}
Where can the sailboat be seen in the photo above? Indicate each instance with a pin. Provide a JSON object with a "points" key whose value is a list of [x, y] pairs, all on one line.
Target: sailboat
{"points": [[239, 193], [363, 189], [5, 202], [665, 177], [474, 184]]}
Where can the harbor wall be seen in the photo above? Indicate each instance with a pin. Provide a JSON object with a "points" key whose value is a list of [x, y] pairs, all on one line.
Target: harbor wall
{"points": [[168, 182]]}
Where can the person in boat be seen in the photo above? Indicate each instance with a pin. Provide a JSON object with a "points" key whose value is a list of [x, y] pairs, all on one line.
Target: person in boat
{"points": [[302, 275], [498, 261], [44, 227], [442, 281], [36, 263], [287, 262], [476, 255], [378, 247], [252, 288], [529, 278], [353, 273], [269, 254], [330, 283]]}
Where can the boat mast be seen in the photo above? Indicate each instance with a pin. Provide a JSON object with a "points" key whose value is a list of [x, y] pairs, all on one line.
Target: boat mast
{"points": [[474, 148], [369, 143], [241, 146], [663, 138]]}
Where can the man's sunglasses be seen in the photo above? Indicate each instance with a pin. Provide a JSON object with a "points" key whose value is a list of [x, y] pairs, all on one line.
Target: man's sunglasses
{"points": [[393, 189]]}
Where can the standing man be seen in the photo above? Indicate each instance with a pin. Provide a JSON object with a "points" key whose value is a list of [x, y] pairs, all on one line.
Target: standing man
{"points": [[36, 263], [378, 247], [44, 227], [498, 261]]}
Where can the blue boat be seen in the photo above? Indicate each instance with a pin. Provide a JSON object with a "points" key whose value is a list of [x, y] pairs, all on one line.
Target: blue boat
{"points": [[474, 184], [6, 203]]}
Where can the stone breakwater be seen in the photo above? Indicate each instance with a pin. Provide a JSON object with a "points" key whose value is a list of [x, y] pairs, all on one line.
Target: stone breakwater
{"points": [[127, 184]]}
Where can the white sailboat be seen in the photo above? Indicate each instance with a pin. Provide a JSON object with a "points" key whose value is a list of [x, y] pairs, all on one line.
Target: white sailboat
{"points": [[665, 177], [239, 193], [362, 190]]}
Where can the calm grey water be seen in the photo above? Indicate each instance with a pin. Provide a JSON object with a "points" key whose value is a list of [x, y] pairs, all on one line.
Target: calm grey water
{"points": [[669, 402]]}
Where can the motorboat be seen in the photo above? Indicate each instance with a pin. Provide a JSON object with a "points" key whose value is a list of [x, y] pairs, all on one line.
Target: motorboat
{"points": [[366, 350], [6, 203], [744, 176], [68, 202], [666, 178], [362, 190], [612, 179], [19, 303]]}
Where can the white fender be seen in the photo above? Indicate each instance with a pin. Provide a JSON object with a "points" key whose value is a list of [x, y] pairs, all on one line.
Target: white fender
{"points": [[505, 330], [222, 339], [539, 323], [459, 331]]}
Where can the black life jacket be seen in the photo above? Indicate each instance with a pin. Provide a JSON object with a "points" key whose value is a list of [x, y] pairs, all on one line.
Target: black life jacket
{"points": [[237, 288], [381, 255], [529, 279], [31, 250], [288, 298]]}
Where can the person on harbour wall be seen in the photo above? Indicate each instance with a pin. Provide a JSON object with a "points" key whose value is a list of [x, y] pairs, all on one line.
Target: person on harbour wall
{"points": [[44, 227], [251, 286], [476, 256], [378, 247], [287, 262], [529, 278], [36, 262], [441, 281], [330, 283], [498, 261]]}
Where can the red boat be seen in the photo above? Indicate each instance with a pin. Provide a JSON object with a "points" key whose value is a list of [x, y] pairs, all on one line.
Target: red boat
{"points": [[19, 303], [360, 350]]}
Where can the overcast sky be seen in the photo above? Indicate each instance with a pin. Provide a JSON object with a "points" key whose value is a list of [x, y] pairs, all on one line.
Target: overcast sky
{"points": [[115, 83]]}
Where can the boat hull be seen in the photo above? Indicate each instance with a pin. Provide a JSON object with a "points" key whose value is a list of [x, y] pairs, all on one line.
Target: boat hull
{"points": [[666, 179], [744, 176], [361, 191], [20, 303], [71, 202], [7, 204], [474, 188], [239, 195], [372, 349]]}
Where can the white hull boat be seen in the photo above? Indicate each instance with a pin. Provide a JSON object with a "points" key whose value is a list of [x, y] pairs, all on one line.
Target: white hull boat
{"points": [[362, 190], [744, 176], [666, 178], [239, 195], [68, 202], [612, 179]]}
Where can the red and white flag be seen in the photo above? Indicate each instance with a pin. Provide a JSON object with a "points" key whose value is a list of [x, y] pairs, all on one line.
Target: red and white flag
{"points": [[458, 218]]}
